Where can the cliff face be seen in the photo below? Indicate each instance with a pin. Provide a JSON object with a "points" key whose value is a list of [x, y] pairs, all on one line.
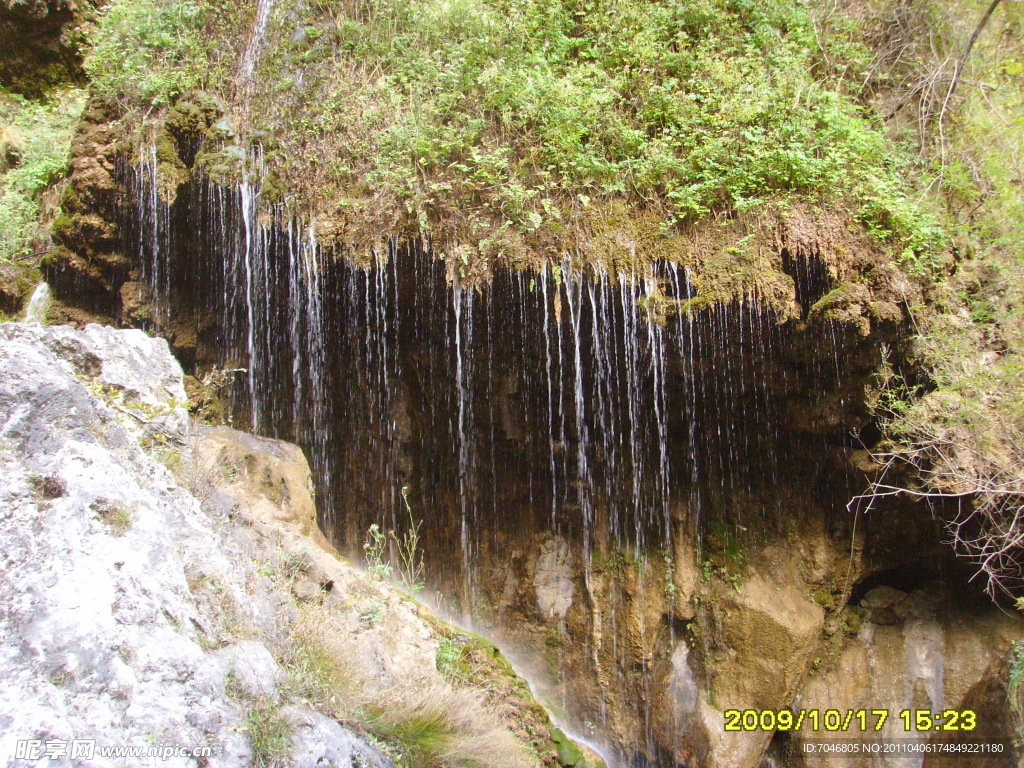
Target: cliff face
{"points": [[41, 44], [167, 585], [613, 313], [638, 485]]}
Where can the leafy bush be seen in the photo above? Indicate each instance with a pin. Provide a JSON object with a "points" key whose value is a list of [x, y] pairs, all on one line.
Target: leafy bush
{"points": [[526, 112], [699, 106], [146, 52], [34, 141]]}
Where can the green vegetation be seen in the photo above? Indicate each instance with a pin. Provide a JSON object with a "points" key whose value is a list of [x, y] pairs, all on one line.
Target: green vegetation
{"points": [[451, 661], [1014, 692], [373, 548], [409, 566], [269, 732], [428, 723], [964, 438], [490, 121], [726, 555], [698, 105], [116, 516], [34, 142], [146, 53], [410, 556]]}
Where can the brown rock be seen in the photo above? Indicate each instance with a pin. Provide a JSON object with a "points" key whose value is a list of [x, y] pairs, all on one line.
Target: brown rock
{"points": [[271, 478]]}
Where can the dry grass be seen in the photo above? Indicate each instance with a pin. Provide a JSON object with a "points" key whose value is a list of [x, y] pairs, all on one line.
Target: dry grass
{"points": [[425, 723], [115, 515]]}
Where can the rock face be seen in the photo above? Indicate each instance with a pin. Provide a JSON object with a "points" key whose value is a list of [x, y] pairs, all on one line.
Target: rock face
{"points": [[270, 475], [916, 650], [40, 42], [553, 579], [146, 568], [802, 621], [107, 631]]}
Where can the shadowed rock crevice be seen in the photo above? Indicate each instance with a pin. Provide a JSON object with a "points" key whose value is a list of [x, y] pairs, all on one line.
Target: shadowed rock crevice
{"points": [[41, 44]]}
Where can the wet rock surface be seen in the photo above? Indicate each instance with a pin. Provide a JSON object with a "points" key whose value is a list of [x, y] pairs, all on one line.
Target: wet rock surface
{"points": [[925, 649]]}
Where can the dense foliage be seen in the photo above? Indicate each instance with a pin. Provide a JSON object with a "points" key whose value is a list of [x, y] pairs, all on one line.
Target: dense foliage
{"points": [[526, 113], [148, 53], [962, 429], [34, 142]]}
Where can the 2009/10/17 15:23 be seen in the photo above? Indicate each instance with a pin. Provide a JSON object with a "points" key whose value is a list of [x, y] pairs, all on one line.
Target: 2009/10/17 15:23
{"points": [[834, 720]]}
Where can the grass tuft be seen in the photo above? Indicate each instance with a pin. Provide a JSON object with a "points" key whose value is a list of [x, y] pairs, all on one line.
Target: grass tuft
{"points": [[426, 723], [269, 734]]}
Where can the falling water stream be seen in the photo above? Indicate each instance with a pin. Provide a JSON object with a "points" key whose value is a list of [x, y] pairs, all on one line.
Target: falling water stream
{"points": [[250, 58], [567, 404], [38, 304]]}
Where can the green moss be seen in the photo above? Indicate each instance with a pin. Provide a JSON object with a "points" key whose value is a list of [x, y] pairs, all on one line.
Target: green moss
{"points": [[569, 755], [851, 620], [54, 259], [167, 147], [193, 116], [63, 227], [275, 189], [71, 200], [824, 598], [696, 304]]}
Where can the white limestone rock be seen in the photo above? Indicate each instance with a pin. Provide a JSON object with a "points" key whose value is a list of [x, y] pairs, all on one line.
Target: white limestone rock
{"points": [[115, 584]]}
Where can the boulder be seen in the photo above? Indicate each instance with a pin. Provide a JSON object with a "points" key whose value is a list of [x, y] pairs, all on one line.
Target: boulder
{"points": [[269, 479], [130, 614]]}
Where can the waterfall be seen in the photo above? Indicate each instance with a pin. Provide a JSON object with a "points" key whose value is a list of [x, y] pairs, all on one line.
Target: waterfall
{"points": [[250, 57], [38, 304], [602, 408]]}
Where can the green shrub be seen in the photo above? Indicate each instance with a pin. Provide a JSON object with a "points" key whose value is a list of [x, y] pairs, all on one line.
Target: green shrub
{"points": [[34, 142], [146, 52], [523, 112]]}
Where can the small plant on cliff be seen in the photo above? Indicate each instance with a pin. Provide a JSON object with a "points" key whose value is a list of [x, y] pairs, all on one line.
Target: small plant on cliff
{"points": [[373, 548], [1014, 692], [410, 569], [115, 515], [449, 659]]}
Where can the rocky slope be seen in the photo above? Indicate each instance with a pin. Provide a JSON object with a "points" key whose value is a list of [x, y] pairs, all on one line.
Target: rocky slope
{"points": [[166, 585]]}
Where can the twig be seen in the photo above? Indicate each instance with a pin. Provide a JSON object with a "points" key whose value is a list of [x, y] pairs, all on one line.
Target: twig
{"points": [[958, 69]]}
